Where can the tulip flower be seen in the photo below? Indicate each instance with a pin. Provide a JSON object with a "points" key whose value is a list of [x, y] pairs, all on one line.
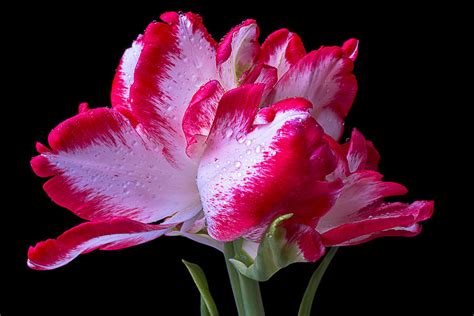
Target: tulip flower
{"points": [[233, 143]]}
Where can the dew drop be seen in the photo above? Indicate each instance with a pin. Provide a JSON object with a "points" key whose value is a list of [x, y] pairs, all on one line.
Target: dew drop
{"points": [[241, 139], [238, 164], [248, 142], [258, 149], [228, 133], [248, 152], [272, 153]]}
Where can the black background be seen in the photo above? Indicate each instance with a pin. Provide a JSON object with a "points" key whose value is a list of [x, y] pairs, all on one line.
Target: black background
{"points": [[408, 104]]}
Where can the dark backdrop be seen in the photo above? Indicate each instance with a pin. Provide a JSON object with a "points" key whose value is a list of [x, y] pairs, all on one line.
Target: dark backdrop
{"points": [[59, 56]]}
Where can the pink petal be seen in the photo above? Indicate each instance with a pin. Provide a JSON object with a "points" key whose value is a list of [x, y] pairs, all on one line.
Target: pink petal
{"points": [[282, 49], [124, 76], [250, 174], [199, 115], [177, 58], [102, 167], [195, 230], [307, 239], [262, 74], [325, 78], [360, 153], [116, 233], [357, 153], [237, 53], [378, 220], [361, 189], [351, 48]]}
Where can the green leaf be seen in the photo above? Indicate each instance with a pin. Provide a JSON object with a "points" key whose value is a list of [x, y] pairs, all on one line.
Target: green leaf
{"points": [[274, 253], [308, 297], [208, 307], [204, 310]]}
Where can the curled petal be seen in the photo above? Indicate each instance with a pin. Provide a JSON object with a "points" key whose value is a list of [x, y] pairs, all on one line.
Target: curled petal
{"points": [[351, 48], [325, 78], [116, 233], [102, 167], [378, 220], [264, 74], [124, 75], [250, 174], [361, 189], [177, 58], [237, 53], [199, 115], [281, 50]]}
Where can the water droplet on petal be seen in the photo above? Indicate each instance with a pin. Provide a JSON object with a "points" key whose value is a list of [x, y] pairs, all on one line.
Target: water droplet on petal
{"points": [[238, 164], [228, 133], [258, 149], [248, 142], [241, 139], [272, 153]]}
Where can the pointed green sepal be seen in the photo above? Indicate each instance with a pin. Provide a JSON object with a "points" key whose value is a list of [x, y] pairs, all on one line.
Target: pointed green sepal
{"points": [[274, 253]]}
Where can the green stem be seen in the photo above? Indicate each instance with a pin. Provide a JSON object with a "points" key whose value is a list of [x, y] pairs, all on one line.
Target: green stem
{"points": [[233, 277], [246, 291], [253, 305], [307, 302]]}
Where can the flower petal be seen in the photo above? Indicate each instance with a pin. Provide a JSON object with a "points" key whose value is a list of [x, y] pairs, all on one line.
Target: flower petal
{"points": [[325, 78], [248, 174], [237, 53], [195, 230], [124, 76], [361, 189], [199, 115], [282, 49], [351, 48], [264, 74], [378, 220], [177, 58], [114, 234], [102, 167]]}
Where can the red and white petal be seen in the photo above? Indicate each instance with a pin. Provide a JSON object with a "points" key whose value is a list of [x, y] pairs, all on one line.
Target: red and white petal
{"points": [[331, 122], [307, 239], [237, 53], [102, 167], [357, 153], [378, 220], [351, 48], [250, 174], [281, 50], [325, 78], [264, 74], [361, 153], [361, 189], [199, 115], [195, 229], [177, 58], [113, 234], [124, 75]]}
